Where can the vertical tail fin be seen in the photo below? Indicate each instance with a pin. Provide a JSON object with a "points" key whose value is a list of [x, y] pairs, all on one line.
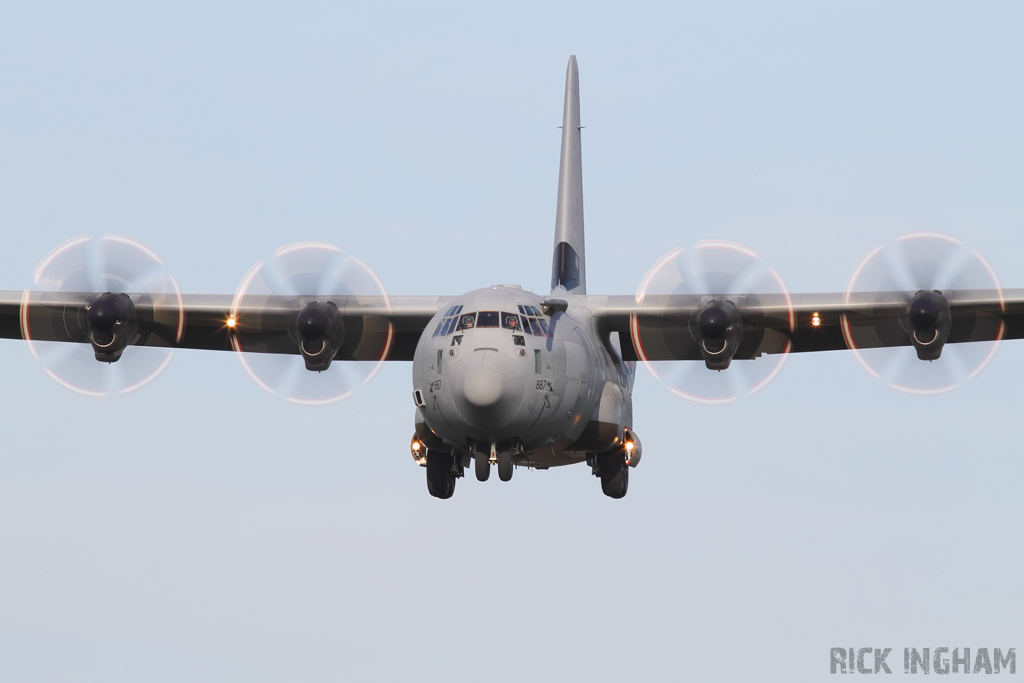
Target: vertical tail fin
{"points": [[569, 269]]}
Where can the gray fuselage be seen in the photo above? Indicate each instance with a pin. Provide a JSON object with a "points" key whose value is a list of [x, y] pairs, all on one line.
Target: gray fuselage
{"points": [[492, 369]]}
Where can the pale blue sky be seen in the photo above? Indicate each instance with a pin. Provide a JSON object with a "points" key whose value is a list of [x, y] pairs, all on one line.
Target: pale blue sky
{"points": [[190, 532]]}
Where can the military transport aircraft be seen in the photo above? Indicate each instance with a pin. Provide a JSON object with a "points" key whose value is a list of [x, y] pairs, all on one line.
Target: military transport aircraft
{"points": [[502, 376]]}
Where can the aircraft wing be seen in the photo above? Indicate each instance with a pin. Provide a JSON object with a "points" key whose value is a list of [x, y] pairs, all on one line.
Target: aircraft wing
{"points": [[375, 327], [656, 328], [665, 327]]}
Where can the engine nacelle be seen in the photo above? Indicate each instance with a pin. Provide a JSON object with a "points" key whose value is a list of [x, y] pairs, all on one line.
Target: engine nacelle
{"points": [[321, 332], [111, 324], [927, 320], [717, 327]]}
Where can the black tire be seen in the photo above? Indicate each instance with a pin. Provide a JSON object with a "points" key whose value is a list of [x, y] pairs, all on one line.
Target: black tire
{"points": [[440, 478], [614, 474], [483, 466], [505, 465]]}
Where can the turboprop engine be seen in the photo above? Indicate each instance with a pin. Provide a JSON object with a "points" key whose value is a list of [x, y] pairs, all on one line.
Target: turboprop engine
{"points": [[928, 321], [717, 327], [111, 324], [321, 333]]}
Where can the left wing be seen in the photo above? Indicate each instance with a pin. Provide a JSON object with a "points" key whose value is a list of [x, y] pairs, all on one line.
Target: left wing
{"points": [[669, 327]]}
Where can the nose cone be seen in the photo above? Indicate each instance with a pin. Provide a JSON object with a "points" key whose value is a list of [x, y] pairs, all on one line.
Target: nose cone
{"points": [[482, 386], [487, 390]]}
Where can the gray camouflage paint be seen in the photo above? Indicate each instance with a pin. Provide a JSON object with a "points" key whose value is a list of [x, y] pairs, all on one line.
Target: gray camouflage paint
{"points": [[487, 391]]}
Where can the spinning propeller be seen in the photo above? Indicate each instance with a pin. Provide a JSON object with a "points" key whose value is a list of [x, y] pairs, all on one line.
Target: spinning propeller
{"points": [[296, 312], [712, 284], [115, 297], [922, 269]]}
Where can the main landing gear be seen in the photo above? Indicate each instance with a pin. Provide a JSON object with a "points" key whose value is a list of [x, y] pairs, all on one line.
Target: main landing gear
{"points": [[443, 469], [613, 470], [441, 474], [613, 467]]}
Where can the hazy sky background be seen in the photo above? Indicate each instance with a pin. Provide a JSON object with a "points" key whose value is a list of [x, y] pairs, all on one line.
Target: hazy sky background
{"points": [[203, 530]]}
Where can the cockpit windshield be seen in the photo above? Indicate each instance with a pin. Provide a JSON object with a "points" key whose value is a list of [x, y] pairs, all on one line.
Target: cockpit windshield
{"points": [[503, 319], [487, 319]]}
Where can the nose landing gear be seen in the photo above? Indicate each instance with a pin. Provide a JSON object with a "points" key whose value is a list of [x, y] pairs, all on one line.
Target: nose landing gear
{"points": [[503, 458], [505, 465], [483, 466]]}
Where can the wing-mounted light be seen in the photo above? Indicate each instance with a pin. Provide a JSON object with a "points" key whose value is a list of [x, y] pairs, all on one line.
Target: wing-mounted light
{"points": [[693, 306], [297, 314], [321, 332], [928, 321], [717, 327], [904, 294], [115, 301]]}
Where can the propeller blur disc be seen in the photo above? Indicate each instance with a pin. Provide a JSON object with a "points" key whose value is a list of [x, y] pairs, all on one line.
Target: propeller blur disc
{"points": [[64, 283], [927, 262], [711, 270], [310, 272]]}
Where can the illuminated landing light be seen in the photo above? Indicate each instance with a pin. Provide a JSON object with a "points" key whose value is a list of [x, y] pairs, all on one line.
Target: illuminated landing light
{"points": [[232, 322], [632, 447], [419, 451], [815, 320]]}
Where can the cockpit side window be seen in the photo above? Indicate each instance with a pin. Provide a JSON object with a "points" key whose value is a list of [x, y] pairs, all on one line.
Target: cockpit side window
{"points": [[510, 321], [467, 321], [487, 319], [544, 327], [447, 324], [535, 328]]}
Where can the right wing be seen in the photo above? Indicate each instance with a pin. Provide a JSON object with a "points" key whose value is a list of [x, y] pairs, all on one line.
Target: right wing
{"points": [[385, 328]]}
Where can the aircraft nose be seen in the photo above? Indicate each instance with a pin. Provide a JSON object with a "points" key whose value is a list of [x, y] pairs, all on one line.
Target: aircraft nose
{"points": [[486, 389], [482, 386]]}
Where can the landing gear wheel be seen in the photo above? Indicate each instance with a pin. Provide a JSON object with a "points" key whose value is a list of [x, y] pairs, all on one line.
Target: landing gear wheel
{"points": [[614, 474], [505, 465], [440, 478], [483, 466]]}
